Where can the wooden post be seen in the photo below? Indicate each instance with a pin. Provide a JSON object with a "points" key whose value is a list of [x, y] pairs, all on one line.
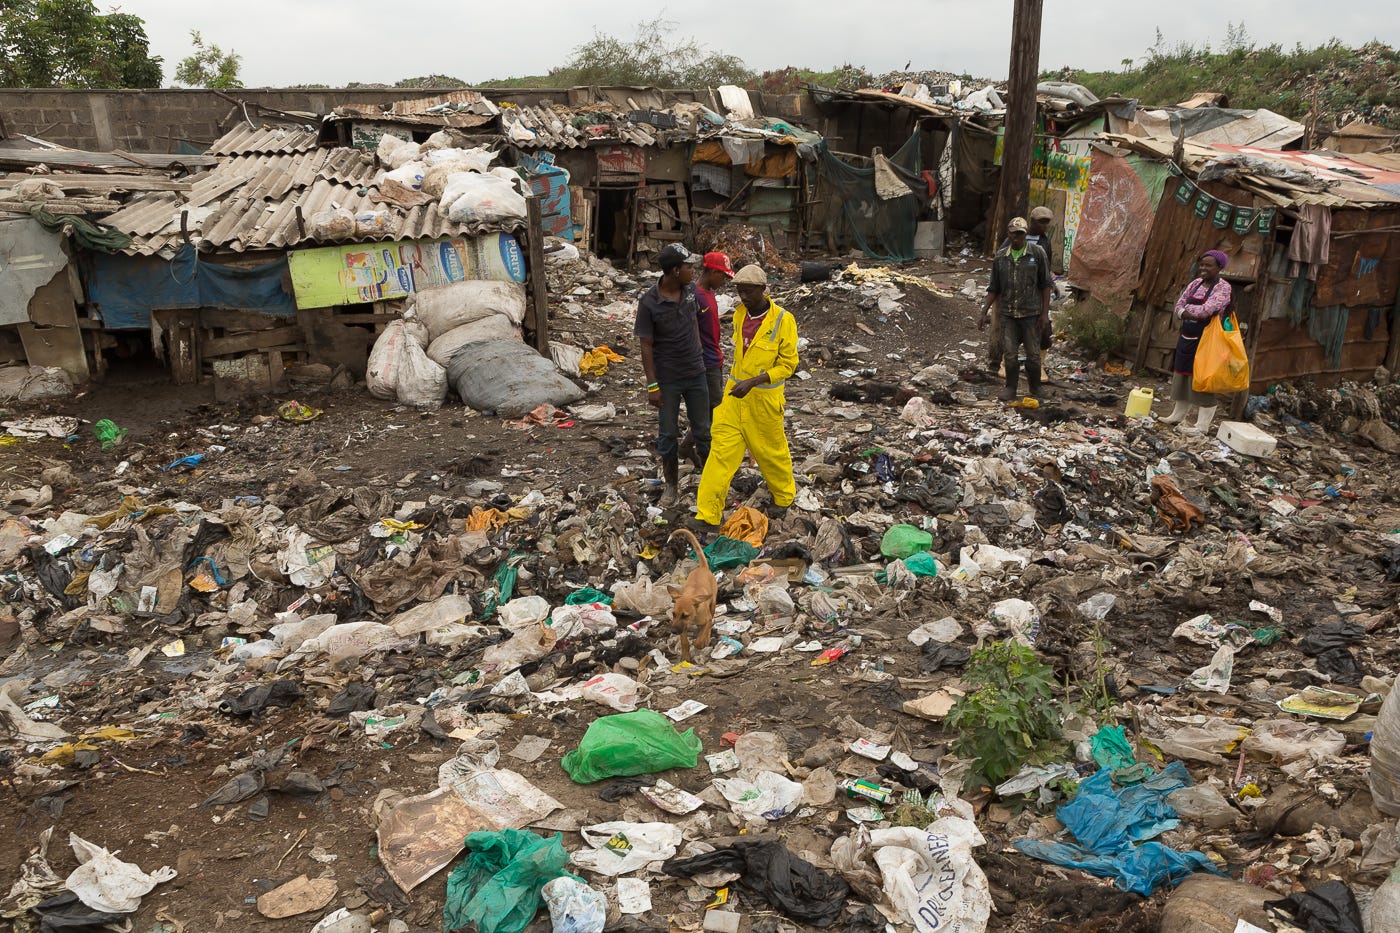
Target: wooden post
{"points": [[1019, 141], [1263, 282], [1149, 314], [538, 312]]}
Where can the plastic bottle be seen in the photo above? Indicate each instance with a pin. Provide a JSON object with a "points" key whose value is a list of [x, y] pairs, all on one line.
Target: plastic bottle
{"points": [[1385, 756]]}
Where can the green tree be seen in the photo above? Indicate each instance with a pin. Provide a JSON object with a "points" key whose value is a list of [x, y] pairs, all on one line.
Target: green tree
{"points": [[68, 43], [653, 58], [209, 66]]}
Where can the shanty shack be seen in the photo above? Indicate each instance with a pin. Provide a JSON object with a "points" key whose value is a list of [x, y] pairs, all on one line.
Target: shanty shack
{"points": [[1311, 236]]}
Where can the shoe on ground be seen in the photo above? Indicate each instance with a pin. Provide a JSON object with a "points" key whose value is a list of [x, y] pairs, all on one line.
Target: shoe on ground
{"points": [[702, 527], [669, 497]]}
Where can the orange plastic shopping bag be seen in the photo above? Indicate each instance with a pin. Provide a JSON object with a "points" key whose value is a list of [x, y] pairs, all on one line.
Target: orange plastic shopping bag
{"points": [[1222, 365]]}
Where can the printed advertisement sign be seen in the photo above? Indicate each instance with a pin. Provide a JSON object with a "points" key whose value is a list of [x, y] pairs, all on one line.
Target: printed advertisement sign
{"points": [[363, 272]]}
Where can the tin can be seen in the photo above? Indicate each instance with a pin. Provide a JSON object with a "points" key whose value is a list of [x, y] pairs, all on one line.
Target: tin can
{"points": [[868, 790]]}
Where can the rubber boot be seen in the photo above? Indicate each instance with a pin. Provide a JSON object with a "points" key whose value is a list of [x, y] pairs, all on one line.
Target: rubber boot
{"points": [[1203, 419], [1178, 413], [1033, 381], [1013, 380], [671, 475]]}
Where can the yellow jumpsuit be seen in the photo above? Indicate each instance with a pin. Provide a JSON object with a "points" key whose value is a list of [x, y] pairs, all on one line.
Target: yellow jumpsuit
{"points": [[754, 422]]}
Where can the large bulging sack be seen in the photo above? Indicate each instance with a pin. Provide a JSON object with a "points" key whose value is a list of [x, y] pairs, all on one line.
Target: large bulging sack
{"points": [[481, 199], [508, 378], [422, 382], [382, 371], [395, 152], [449, 307], [491, 327]]}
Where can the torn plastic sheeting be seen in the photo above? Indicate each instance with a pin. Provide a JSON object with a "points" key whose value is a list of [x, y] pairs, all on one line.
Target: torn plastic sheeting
{"points": [[431, 616], [642, 595], [769, 796], [724, 553], [303, 563], [20, 726], [1215, 676], [765, 866], [1112, 828], [620, 848], [529, 644], [498, 886], [931, 877], [106, 883], [569, 621], [1111, 748], [524, 611]]}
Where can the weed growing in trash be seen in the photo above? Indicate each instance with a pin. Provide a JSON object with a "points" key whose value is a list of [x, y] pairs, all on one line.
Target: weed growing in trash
{"points": [[1093, 325], [1009, 713], [1096, 692]]}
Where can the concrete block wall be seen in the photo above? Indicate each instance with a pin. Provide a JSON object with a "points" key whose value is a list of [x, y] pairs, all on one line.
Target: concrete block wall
{"points": [[158, 120]]}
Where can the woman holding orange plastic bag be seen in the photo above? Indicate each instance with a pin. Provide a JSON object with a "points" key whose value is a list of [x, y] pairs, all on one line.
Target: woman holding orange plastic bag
{"points": [[1206, 298]]}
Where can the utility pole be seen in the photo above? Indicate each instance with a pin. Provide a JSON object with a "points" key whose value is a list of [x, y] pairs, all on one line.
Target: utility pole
{"points": [[1018, 144]]}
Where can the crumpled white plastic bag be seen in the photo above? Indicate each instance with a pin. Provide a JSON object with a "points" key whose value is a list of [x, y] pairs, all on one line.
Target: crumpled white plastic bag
{"points": [[619, 848], [106, 883], [769, 796], [931, 877]]}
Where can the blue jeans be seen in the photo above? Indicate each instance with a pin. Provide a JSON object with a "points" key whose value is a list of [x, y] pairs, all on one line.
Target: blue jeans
{"points": [[695, 391]]}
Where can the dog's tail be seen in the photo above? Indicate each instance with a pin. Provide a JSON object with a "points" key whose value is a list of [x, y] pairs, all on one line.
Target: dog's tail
{"points": [[694, 543]]}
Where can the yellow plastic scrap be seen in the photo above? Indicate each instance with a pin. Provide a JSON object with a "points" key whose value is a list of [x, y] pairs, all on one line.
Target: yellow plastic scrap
{"points": [[595, 362], [298, 413], [880, 274], [393, 524], [63, 754], [495, 519], [1113, 369], [1249, 790], [747, 524], [648, 552], [130, 505]]}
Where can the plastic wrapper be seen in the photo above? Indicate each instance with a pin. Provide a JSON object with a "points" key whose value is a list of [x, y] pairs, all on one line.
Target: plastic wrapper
{"points": [[931, 877], [620, 848], [376, 224], [574, 907], [498, 886], [791, 884], [394, 152], [338, 223]]}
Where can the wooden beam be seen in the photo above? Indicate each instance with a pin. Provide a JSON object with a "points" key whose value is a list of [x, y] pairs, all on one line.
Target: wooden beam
{"points": [[244, 343], [90, 182], [1256, 326], [537, 313]]}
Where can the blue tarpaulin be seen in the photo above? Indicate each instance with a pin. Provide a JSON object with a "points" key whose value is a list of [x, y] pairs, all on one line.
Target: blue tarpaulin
{"points": [[126, 289], [1113, 827]]}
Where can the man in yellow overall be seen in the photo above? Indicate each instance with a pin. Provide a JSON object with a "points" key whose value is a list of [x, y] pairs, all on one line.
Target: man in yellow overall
{"points": [[751, 414]]}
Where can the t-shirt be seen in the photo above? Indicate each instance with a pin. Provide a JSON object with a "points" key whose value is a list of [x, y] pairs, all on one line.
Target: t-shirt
{"points": [[753, 321], [709, 328], [673, 327]]}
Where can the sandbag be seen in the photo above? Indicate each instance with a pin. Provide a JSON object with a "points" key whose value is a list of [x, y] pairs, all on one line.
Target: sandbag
{"points": [[508, 378], [491, 327], [410, 174], [477, 159], [382, 370], [436, 177], [422, 382], [337, 223], [481, 199], [442, 309], [395, 152]]}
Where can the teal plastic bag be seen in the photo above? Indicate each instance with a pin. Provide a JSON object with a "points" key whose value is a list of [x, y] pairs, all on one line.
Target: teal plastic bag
{"points": [[503, 585], [904, 541], [628, 744], [497, 886], [1111, 748], [586, 596], [725, 552]]}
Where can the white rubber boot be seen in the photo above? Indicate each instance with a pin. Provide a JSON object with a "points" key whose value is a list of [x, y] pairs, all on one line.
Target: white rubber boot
{"points": [[1203, 419], [1178, 413]]}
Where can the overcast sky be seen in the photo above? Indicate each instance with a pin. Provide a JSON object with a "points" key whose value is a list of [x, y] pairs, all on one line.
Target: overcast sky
{"points": [[336, 41]]}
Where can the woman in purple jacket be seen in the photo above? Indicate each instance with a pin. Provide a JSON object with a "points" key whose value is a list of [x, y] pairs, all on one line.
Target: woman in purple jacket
{"points": [[1205, 298]]}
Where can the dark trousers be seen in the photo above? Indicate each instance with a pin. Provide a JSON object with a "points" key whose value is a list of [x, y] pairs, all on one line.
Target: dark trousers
{"points": [[1018, 332], [695, 391], [714, 380]]}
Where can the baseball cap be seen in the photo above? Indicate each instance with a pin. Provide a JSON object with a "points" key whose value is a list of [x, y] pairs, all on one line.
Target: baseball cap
{"points": [[1042, 212], [674, 255], [751, 274], [720, 263], [1017, 223]]}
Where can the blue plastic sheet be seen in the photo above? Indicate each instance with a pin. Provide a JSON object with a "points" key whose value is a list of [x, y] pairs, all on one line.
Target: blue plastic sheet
{"points": [[1114, 827], [127, 289]]}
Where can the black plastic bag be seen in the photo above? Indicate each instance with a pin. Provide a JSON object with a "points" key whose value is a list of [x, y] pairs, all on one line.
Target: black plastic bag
{"points": [[1321, 639], [353, 698], [64, 913], [1327, 908], [793, 885], [935, 656], [256, 699]]}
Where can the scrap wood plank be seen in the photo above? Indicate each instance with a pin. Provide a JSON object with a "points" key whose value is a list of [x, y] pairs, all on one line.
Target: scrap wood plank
{"points": [[243, 343], [63, 206], [89, 182]]}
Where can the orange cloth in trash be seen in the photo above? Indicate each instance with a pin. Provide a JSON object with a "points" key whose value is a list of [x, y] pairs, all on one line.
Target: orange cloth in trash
{"points": [[747, 524], [595, 362]]}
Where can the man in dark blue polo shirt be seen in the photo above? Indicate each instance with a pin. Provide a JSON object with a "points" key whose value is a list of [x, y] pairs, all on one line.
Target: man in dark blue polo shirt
{"points": [[668, 326]]}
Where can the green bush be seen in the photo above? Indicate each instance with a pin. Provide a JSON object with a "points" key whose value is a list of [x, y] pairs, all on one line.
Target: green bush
{"points": [[1095, 327], [1009, 713]]}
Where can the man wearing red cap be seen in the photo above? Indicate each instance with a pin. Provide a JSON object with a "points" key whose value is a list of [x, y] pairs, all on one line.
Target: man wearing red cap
{"points": [[715, 273]]}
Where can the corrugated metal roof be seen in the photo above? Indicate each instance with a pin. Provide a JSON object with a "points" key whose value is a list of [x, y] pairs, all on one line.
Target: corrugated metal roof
{"points": [[560, 127], [250, 202], [244, 139], [372, 114]]}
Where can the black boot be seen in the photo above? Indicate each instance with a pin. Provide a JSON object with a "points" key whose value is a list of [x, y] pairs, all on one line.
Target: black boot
{"points": [[1013, 379], [671, 475], [1033, 378]]}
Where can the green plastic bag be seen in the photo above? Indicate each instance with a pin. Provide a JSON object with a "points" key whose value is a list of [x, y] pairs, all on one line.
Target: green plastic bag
{"points": [[586, 596], [1111, 748], [628, 744], [725, 552], [503, 585], [921, 564], [903, 541], [108, 434], [497, 886]]}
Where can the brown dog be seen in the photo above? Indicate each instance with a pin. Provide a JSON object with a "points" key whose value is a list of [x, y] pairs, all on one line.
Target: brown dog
{"points": [[693, 608]]}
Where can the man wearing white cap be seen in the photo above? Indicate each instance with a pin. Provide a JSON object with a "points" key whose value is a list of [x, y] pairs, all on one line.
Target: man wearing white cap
{"points": [[751, 414], [1020, 288]]}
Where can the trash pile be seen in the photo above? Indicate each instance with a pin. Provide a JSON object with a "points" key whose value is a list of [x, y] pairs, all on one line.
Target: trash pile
{"points": [[996, 668]]}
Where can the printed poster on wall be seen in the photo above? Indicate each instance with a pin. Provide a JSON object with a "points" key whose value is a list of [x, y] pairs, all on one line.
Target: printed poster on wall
{"points": [[364, 272]]}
